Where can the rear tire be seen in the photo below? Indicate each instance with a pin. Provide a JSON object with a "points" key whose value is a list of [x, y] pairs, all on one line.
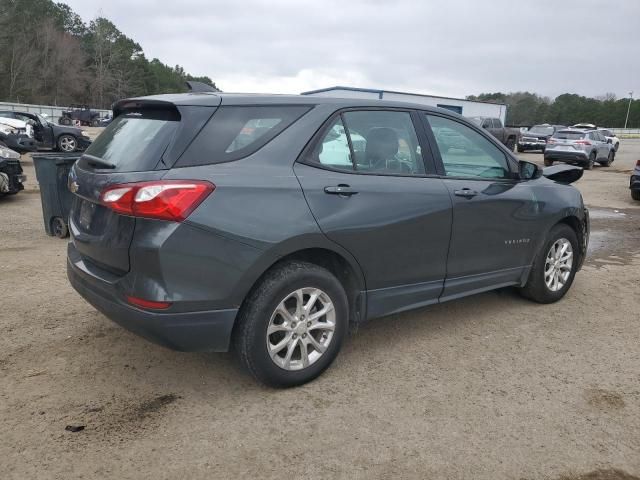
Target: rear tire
{"points": [[282, 304], [635, 194], [511, 144], [59, 227], [609, 160], [616, 146], [520, 149], [548, 162], [537, 287]]}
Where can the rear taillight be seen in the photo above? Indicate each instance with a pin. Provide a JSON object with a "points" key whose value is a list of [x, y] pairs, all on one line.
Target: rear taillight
{"points": [[149, 304], [550, 141], [172, 200]]}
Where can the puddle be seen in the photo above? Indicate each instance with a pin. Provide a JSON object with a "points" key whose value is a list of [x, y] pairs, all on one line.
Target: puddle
{"points": [[599, 213], [614, 238]]}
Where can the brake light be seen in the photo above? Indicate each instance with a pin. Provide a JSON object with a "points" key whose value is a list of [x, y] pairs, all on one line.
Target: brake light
{"points": [[150, 304], [550, 141], [583, 142], [172, 200]]}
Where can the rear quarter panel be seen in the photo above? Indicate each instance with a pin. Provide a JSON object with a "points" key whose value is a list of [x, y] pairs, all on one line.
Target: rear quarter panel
{"points": [[258, 204]]}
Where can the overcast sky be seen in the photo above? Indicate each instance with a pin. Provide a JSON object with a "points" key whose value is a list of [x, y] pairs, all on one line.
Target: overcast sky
{"points": [[445, 47]]}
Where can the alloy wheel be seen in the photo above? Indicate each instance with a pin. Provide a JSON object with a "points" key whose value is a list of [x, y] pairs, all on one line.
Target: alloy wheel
{"points": [[67, 143], [558, 264], [301, 329]]}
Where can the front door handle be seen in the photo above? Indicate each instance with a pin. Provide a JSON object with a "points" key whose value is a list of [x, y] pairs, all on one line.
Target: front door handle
{"points": [[465, 192], [342, 190]]}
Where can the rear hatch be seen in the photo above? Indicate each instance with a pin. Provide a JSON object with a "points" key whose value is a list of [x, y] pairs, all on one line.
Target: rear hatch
{"points": [[141, 144], [568, 140]]}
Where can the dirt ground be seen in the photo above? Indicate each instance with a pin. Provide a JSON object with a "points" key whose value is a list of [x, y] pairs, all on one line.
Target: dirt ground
{"points": [[488, 387]]}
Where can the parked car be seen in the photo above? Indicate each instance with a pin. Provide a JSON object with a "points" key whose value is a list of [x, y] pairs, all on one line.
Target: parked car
{"points": [[208, 231], [13, 134], [580, 147], [634, 183], [611, 138], [106, 120], [536, 137], [508, 136], [82, 114], [51, 136], [11, 174]]}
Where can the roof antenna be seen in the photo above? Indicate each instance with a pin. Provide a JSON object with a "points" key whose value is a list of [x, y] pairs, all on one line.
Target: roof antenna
{"points": [[199, 87]]}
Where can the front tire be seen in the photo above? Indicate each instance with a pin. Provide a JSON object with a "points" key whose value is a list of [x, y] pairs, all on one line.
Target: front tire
{"points": [[67, 143], [554, 267], [292, 325]]}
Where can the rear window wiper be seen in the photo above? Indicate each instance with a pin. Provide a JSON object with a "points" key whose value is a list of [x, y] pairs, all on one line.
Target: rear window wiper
{"points": [[98, 162]]}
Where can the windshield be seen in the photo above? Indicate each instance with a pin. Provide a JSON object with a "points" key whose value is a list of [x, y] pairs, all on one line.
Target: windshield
{"points": [[541, 129]]}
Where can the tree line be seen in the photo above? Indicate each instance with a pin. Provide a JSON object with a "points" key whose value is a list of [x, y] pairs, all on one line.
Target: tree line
{"points": [[48, 55], [525, 109]]}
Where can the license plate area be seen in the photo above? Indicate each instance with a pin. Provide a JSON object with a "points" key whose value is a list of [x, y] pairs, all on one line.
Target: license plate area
{"points": [[87, 210]]}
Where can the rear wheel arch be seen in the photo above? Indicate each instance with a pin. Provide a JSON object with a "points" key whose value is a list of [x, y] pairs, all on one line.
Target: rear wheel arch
{"points": [[348, 274]]}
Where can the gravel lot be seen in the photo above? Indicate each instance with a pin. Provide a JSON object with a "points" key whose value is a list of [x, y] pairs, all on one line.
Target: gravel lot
{"points": [[488, 387]]}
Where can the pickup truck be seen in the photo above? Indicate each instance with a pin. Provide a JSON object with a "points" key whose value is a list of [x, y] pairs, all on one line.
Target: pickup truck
{"points": [[508, 136]]}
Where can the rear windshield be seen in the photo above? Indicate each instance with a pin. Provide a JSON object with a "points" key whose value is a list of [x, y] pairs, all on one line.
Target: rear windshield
{"points": [[542, 130], [135, 141], [235, 132], [568, 135]]}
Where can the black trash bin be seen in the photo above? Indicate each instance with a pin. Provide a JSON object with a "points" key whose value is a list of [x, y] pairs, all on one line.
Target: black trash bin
{"points": [[52, 172]]}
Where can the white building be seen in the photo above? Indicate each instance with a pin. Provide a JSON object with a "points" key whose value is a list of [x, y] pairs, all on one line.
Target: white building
{"points": [[468, 108]]}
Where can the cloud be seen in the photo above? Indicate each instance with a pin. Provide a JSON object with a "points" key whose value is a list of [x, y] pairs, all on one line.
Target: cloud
{"points": [[451, 48]]}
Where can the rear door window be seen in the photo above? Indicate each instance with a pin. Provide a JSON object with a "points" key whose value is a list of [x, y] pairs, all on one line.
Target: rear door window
{"points": [[235, 132], [134, 141]]}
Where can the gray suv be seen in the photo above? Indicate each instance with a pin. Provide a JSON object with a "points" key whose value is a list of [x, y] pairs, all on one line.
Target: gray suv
{"points": [[581, 147], [273, 223]]}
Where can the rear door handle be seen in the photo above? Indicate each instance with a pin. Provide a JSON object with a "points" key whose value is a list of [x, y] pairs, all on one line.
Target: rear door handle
{"points": [[343, 190], [465, 192]]}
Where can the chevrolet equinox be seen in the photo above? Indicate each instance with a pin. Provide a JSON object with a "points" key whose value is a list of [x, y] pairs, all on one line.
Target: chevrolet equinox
{"points": [[271, 223]]}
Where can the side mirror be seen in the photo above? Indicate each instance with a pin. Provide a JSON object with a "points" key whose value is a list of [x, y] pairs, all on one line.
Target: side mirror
{"points": [[529, 170]]}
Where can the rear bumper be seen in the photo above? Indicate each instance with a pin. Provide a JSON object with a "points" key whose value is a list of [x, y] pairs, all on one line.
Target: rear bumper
{"points": [[525, 145], [201, 331], [564, 156]]}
